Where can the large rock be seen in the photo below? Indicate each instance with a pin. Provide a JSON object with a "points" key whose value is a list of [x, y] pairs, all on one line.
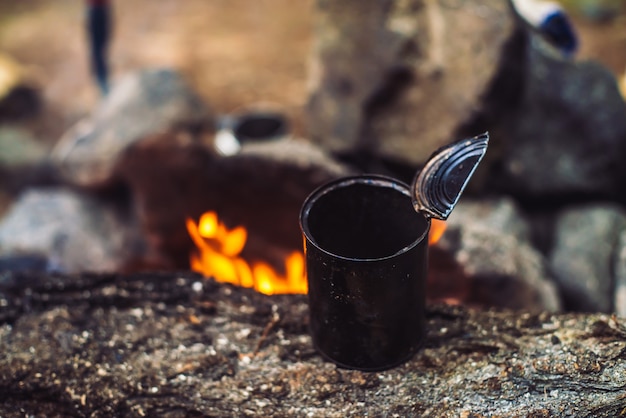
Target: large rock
{"points": [[171, 345], [568, 137], [586, 243], [142, 104], [75, 232], [397, 79], [400, 78], [619, 299], [496, 264]]}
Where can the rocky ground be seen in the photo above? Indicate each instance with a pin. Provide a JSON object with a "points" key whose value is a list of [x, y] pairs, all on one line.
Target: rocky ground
{"points": [[174, 345]]}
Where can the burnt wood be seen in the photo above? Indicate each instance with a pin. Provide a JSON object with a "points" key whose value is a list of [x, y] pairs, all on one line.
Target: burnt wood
{"points": [[178, 345]]}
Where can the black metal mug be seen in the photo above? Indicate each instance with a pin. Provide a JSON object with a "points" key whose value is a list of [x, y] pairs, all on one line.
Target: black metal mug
{"points": [[366, 261]]}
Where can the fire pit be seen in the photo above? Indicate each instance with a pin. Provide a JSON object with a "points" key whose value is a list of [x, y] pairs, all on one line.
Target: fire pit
{"points": [[140, 186]]}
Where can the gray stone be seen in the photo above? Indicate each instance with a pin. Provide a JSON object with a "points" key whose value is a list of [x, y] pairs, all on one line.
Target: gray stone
{"points": [[488, 241], [400, 78], [569, 134], [141, 105], [619, 300], [501, 214], [397, 79], [582, 260], [76, 232]]}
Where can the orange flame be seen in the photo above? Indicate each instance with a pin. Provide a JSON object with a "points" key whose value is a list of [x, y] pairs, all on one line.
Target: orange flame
{"points": [[218, 256], [437, 228]]}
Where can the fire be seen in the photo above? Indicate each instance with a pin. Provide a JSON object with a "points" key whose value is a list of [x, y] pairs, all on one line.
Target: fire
{"points": [[218, 256], [437, 228], [219, 250]]}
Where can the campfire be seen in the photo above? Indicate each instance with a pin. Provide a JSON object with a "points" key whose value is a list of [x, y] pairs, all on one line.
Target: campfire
{"points": [[512, 245], [107, 320], [218, 255]]}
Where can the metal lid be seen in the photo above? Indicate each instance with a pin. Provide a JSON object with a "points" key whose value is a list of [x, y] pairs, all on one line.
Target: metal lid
{"points": [[438, 186]]}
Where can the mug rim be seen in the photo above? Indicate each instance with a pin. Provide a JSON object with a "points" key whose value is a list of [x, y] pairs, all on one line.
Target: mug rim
{"points": [[367, 179]]}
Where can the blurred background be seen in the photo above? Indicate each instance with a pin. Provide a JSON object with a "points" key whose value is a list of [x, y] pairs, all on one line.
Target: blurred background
{"points": [[235, 53]]}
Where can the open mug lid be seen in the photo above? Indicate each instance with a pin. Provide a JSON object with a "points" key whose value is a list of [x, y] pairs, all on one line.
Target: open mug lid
{"points": [[437, 187]]}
